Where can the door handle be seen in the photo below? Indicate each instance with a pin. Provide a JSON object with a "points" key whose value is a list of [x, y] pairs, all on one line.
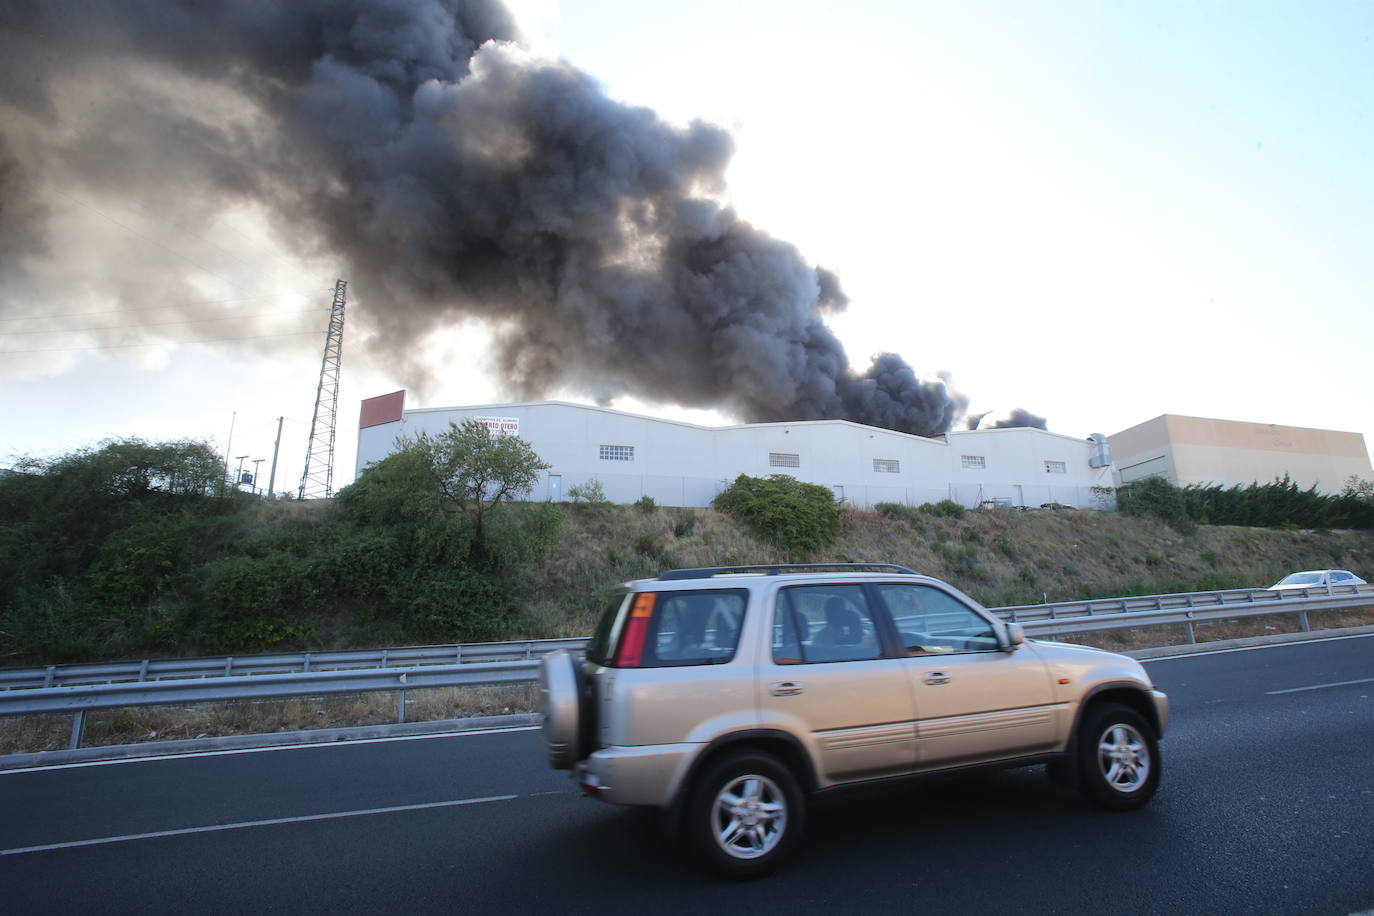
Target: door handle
{"points": [[786, 688], [936, 677]]}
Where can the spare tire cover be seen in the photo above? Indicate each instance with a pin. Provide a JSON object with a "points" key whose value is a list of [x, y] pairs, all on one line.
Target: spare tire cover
{"points": [[560, 707]]}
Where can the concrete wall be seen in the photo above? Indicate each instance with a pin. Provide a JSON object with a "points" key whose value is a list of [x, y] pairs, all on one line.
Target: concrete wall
{"points": [[682, 464], [1196, 450]]}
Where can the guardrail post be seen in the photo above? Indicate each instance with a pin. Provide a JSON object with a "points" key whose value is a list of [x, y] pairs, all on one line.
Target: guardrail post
{"points": [[1192, 637], [401, 706], [1302, 619], [306, 665], [51, 676], [78, 727], [143, 671]]}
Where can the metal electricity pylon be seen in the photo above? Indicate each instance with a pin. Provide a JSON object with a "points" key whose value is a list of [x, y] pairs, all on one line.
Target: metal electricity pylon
{"points": [[318, 478]]}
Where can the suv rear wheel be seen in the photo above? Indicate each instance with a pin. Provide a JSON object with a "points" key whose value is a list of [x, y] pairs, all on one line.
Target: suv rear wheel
{"points": [[745, 815], [1118, 757]]}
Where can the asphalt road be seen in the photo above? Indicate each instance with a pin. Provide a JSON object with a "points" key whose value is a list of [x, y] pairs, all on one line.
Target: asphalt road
{"points": [[1267, 806]]}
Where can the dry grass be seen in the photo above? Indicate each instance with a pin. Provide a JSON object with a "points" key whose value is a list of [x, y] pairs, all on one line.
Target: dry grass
{"points": [[138, 724]]}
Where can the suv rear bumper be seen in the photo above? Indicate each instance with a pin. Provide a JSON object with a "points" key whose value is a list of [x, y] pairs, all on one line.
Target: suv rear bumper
{"points": [[636, 775]]}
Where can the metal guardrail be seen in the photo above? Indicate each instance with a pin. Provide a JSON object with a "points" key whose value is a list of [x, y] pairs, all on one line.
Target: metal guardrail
{"points": [[289, 663], [79, 688], [1182, 601]]}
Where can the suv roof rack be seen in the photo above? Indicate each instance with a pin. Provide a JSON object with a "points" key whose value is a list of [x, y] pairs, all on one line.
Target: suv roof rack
{"points": [[706, 572]]}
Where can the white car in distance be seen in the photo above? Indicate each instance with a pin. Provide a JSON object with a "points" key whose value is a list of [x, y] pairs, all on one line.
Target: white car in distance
{"points": [[1317, 578]]}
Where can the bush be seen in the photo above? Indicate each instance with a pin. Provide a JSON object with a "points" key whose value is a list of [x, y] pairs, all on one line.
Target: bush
{"points": [[591, 494], [1155, 497], [645, 504], [895, 511], [945, 508], [1005, 546], [799, 517]]}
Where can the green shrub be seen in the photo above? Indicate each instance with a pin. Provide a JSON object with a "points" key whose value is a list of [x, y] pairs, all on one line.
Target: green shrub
{"points": [[645, 504], [945, 508], [589, 496], [895, 511], [1005, 546], [1155, 497], [800, 517]]}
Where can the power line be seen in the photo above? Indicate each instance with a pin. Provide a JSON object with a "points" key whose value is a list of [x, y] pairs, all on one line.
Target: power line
{"points": [[163, 308], [162, 343], [145, 237], [164, 324]]}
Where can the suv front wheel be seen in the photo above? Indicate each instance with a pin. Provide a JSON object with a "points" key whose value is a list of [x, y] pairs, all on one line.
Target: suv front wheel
{"points": [[1118, 762], [746, 812]]}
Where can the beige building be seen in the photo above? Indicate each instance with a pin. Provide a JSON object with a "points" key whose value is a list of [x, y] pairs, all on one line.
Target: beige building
{"points": [[1195, 450]]}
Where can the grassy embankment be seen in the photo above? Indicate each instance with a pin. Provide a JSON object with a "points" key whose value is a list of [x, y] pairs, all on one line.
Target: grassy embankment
{"points": [[999, 557]]}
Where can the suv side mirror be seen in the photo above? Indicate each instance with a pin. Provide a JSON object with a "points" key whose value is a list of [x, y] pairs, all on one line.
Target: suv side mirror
{"points": [[1016, 637]]}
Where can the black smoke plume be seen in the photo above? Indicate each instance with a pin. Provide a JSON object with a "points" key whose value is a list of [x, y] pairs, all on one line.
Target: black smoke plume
{"points": [[453, 175], [1018, 417]]}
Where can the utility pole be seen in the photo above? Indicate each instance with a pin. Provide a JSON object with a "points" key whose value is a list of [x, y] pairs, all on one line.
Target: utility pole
{"points": [[256, 463], [229, 447], [318, 479], [272, 474], [238, 476]]}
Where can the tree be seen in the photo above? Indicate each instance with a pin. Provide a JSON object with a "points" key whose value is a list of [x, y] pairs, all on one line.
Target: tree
{"points": [[475, 470]]}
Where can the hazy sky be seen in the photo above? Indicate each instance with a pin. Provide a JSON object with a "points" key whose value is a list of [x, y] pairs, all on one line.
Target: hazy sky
{"points": [[1100, 212]]}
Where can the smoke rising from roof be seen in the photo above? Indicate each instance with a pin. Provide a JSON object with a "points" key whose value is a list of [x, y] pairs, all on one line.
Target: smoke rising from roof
{"points": [[1017, 417], [455, 176]]}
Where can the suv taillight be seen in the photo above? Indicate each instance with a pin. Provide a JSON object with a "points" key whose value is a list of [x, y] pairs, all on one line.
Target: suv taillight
{"points": [[631, 650]]}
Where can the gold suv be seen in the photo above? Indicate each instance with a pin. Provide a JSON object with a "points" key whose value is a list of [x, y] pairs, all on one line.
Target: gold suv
{"points": [[727, 696]]}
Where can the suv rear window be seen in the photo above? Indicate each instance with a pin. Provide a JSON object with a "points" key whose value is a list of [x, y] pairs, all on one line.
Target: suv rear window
{"points": [[669, 629]]}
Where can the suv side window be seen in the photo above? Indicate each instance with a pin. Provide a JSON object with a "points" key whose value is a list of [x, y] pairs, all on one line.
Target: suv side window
{"points": [[930, 622], [823, 623], [696, 627]]}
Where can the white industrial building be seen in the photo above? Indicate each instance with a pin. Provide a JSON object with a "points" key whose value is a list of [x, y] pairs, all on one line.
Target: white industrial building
{"points": [[685, 464]]}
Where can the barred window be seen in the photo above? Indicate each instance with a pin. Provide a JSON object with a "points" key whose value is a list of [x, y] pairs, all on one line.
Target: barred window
{"points": [[1056, 467], [617, 453], [887, 466], [976, 462], [783, 460]]}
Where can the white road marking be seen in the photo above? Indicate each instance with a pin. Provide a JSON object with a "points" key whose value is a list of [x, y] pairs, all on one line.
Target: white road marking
{"points": [[263, 750], [1277, 645], [1363, 680], [214, 828]]}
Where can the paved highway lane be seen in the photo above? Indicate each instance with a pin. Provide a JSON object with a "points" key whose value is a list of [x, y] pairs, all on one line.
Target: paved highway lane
{"points": [[1267, 806]]}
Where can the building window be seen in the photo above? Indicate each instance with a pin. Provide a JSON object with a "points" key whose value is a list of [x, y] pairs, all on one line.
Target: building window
{"points": [[975, 462], [1056, 467], [617, 453], [783, 460], [887, 466]]}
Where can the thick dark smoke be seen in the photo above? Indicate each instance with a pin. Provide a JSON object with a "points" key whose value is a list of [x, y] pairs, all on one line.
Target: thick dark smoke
{"points": [[453, 176], [1016, 418]]}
